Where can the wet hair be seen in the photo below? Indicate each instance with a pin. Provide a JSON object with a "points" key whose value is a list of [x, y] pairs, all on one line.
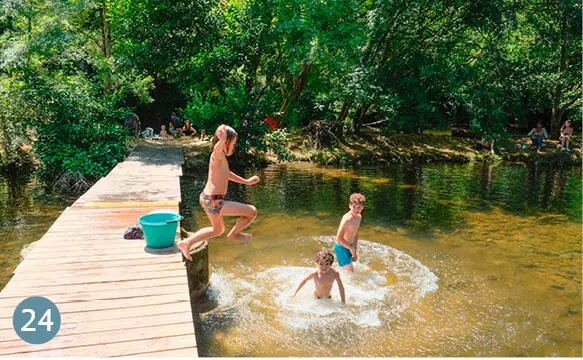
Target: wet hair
{"points": [[325, 255], [231, 135], [357, 199]]}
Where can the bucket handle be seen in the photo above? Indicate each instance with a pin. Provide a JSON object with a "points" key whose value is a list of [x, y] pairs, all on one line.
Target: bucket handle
{"points": [[175, 220]]}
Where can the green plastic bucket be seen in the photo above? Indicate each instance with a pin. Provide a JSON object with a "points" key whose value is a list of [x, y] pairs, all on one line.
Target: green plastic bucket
{"points": [[159, 228]]}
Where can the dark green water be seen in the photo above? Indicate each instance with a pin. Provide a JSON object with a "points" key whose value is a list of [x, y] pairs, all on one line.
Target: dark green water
{"points": [[464, 260], [27, 211], [417, 198]]}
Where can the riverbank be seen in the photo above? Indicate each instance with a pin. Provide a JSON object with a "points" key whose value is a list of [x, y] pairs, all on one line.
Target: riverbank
{"points": [[372, 148]]}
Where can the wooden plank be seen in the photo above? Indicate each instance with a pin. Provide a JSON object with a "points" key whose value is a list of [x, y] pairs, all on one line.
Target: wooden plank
{"points": [[118, 260], [17, 291], [178, 353], [105, 257], [119, 303], [90, 281], [39, 265], [90, 249], [56, 247], [122, 348], [100, 254], [12, 302], [126, 204], [113, 314], [62, 243], [101, 272], [78, 325], [98, 338]]}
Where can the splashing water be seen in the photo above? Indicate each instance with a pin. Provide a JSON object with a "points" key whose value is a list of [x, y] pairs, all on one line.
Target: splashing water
{"points": [[376, 294]]}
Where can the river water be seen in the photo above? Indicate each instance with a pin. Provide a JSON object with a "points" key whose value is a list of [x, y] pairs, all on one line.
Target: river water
{"points": [[27, 211], [455, 260]]}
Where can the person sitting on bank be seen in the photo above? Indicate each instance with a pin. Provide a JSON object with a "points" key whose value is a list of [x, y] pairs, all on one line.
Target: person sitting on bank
{"points": [[176, 124], [538, 134], [485, 144], [163, 132], [188, 130], [566, 133]]}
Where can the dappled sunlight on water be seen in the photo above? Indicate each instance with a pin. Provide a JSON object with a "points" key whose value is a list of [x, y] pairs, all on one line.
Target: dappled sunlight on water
{"points": [[454, 261]]}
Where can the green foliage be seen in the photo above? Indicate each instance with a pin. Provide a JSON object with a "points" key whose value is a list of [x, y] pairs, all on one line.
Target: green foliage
{"points": [[277, 142], [207, 110], [78, 135], [409, 65], [66, 93], [16, 153], [88, 149]]}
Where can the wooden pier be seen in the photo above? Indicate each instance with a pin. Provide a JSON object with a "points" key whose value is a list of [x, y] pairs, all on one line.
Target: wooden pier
{"points": [[116, 297]]}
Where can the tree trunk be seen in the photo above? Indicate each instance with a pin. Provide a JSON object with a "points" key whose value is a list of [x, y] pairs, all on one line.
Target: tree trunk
{"points": [[359, 117], [344, 111], [557, 113], [296, 91], [343, 115]]}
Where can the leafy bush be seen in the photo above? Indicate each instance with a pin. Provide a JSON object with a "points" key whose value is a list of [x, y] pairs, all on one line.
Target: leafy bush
{"points": [[16, 155], [88, 149], [79, 132], [277, 141], [235, 108]]}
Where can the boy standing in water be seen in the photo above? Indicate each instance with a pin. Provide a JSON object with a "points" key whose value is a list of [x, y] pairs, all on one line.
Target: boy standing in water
{"points": [[346, 244], [324, 277]]}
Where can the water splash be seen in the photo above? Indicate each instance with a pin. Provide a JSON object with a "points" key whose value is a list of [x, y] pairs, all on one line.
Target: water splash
{"points": [[372, 299]]}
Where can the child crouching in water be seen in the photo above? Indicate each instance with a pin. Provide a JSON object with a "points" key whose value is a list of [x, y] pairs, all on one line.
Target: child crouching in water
{"points": [[212, 199], [324, 277]]}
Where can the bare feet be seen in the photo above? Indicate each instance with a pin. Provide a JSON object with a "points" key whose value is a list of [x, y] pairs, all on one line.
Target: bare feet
{"points": [[240, 237], [185, 248]]}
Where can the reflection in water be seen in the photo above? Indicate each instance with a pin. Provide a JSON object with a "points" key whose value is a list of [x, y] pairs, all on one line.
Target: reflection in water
{"points": [[27, 210], [496, 248]]}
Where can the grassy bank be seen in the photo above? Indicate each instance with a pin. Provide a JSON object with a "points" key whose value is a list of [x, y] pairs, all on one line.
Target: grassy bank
{"points": [[372, 149]]}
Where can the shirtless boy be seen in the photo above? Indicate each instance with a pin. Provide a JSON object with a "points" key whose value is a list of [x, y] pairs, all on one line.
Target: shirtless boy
{"points": [[346, 245], [324, 277]]}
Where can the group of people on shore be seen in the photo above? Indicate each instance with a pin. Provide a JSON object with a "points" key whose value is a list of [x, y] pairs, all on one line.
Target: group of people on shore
{"points": [[177, 128], [537, 136], [213, 200], [539, 133]]}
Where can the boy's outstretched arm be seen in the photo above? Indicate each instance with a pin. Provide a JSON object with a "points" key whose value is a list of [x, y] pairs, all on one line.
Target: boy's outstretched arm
{"points": [[238, 179], [303, 283], [340, 288]]}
